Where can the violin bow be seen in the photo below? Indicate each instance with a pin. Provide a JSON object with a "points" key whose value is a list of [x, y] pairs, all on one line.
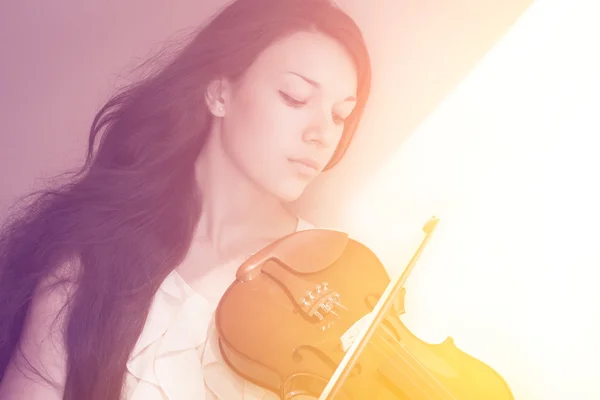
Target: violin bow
{"points": [[384, 304]]}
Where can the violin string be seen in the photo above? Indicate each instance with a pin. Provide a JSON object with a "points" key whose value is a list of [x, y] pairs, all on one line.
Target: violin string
{"points": [[412, 359], [412, 367], [408, 362], [399, 367], [372, 343], [422, 368]]}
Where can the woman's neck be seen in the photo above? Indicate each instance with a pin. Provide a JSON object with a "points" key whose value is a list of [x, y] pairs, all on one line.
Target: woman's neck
{"points": [[236, 213]]}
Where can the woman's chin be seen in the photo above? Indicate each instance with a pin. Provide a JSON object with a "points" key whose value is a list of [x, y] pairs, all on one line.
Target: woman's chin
{"points": [[291, 191]]}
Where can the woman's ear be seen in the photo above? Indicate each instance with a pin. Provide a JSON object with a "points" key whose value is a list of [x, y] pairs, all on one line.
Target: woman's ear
{"points": [[215, 96]]}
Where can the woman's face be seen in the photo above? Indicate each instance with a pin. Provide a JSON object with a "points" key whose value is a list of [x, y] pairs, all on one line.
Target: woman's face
{"points": [[283, 120]]}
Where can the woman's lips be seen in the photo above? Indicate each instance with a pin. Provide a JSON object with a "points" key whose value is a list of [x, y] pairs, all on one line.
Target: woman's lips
{"points": [[305, 166]]}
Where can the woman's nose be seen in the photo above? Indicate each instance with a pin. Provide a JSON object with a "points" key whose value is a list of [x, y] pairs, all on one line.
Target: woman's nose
{"points": [[319, 131]]}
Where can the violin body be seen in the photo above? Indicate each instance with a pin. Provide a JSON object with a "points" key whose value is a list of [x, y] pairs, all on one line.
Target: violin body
{"points": [[274, 333]]}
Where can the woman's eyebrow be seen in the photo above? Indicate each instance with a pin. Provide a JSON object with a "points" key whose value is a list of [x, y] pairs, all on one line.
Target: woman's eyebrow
{"points": [[316, 84]]}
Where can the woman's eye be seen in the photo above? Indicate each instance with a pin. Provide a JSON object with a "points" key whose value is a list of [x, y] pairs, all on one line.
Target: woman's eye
{"points": [[292, 101], [338, 120]]}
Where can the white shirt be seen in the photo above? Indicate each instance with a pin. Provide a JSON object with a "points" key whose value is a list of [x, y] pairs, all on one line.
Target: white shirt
{"points": [[177, 355]]}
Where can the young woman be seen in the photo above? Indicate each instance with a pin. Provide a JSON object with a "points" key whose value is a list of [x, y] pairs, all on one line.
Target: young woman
{"points": [[108, 283]]}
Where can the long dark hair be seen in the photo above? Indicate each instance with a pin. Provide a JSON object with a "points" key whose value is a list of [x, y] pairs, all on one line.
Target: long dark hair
{"points": [[128, 214]]}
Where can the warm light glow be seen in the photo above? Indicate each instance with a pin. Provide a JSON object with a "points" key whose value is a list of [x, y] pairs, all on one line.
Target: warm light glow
{"points": [[510, 164]]}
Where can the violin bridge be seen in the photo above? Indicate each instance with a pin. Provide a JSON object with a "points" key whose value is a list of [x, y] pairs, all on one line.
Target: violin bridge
{"points": [[350, 335]]}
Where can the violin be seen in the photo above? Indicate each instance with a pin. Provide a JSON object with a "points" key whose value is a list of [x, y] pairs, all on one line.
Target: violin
{"points": [[315, 314]]}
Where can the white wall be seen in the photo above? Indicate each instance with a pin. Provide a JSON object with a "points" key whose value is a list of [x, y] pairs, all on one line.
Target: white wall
{"points": [[509, 163]]}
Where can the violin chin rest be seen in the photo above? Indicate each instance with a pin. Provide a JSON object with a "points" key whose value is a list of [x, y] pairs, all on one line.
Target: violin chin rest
{"points": [[306, 251]]}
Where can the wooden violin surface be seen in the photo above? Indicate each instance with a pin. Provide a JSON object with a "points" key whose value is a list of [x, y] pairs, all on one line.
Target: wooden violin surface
{"points": [[286, 327]]}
